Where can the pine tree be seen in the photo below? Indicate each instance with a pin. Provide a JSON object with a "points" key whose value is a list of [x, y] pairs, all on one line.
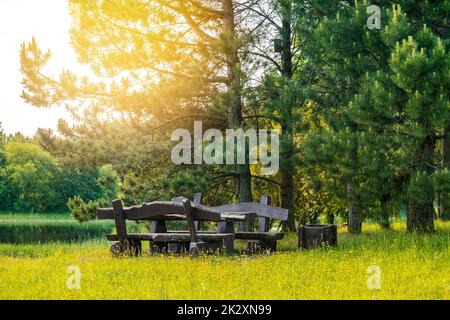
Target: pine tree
{"points": [[408, 104], [339, 55], [169, 61], [276, 47]]}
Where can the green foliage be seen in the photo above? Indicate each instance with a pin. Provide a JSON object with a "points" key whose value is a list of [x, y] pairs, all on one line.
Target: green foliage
{"points": [[109, 182], [72, 181], [32, 171], [380, 101], [2, 147], [8, 191], [33, 180], [85, 211]]}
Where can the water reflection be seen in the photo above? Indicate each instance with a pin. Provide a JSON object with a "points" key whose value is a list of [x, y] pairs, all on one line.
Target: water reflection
{"points": [[21, 233]]}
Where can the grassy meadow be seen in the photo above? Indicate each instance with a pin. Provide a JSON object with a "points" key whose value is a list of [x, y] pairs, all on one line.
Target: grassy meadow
{"points": [[412, 267]]}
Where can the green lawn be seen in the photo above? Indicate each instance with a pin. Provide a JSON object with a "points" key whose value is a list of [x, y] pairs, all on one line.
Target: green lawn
{"points": [[412, 267]]}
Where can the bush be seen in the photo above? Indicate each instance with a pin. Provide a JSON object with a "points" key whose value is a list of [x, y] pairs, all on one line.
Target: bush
{"points": [[84, 211]]}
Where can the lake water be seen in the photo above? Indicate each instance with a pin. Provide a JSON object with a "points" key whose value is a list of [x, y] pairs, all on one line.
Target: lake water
{"points": [[44, 231]]}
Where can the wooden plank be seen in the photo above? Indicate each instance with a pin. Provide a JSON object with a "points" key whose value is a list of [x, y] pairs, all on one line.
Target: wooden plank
{"points": [[132, 236], [258, 236], [198, 200], [169, 217], [205, 213], [176, 237], [229, 216], [263, 222], [157, 209], [119, 218], [238, 216], [186, 237], [260, 209], [154, 209], [179, 199]]}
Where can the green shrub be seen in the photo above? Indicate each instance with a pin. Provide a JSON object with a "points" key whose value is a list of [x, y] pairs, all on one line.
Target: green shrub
{"points": [[84, 211]]}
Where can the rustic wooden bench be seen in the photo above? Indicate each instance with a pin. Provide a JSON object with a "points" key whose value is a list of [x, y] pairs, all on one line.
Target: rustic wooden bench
{"points": [[128, 243], [262, 239]]}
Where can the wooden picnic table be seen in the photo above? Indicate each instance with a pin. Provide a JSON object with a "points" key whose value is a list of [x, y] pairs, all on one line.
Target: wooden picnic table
{"points": [[159, 212], [160, 238]]}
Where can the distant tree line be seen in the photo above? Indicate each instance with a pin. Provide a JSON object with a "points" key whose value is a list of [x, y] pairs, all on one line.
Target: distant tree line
{"points": [[33, 180]]}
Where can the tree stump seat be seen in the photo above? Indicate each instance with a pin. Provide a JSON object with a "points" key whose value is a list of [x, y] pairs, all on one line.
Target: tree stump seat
{"points": [[314, 235]]}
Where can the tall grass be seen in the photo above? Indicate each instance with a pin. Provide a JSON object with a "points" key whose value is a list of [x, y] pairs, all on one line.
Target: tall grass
{"points": [[412, 267]]}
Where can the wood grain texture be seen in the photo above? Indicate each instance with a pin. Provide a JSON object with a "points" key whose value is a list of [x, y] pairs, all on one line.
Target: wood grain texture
{"points": [[260, 209], [174, 210], [119, 219], [190, 220], [157, 209]]}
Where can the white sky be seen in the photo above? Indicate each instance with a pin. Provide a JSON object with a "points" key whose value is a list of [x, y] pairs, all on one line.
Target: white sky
{"points": [[48, 21]]}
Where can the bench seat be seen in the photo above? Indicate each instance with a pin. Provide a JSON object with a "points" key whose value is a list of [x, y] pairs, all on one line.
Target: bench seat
{"points": [[259, 236], [174, 237]]}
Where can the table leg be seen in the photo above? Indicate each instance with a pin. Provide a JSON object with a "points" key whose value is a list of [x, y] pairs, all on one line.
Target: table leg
{"points": [[158, 227], [227, 227]]}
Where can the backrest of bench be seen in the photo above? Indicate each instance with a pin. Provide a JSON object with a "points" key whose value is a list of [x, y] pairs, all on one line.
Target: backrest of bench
{"points": [[190, 219], [156, 209], [121, 228], [197, 200], [263, 222], [119, 219], [263, 209]]}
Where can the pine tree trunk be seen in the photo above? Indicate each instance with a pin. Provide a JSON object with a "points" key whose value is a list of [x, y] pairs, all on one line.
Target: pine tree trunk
{"points": [[287, 170], [354, 207], [330, 218], [444, 211], [421, 217], [287, 197], [421, 214], [235, 119], [384, 218], [354, 213]]}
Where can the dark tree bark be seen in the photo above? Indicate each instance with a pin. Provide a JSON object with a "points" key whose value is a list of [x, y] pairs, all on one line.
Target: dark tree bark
{"points": [[355, 218], [384, 217], [235, 119], [354, 211], [287, 134], [421, 214], [444, 211]]}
